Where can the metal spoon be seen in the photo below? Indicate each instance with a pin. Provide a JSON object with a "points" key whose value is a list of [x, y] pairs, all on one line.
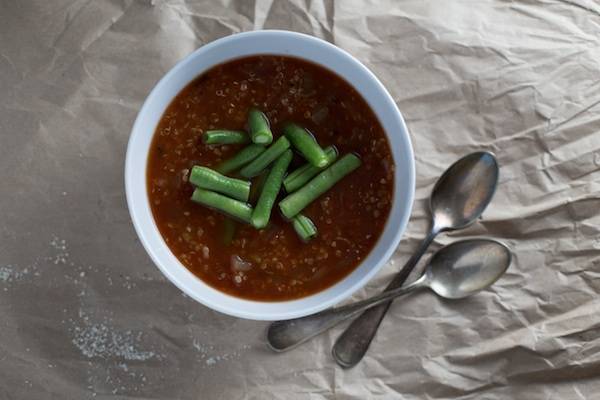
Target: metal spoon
{"points": [[454, 272], [458, 199]]}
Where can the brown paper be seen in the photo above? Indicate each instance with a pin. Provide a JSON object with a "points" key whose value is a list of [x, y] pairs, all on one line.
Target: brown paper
{"points": [[85, 314]]}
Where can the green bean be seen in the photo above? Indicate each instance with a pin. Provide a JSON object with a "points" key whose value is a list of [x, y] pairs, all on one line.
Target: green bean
{"points": [[242, 158], [272, 186], [222, 136], [260, 132], [229, 226], [306, 144], [206, 178], [304, 174], [304, 227], [264, 159], [223, 204], [297, 201]]}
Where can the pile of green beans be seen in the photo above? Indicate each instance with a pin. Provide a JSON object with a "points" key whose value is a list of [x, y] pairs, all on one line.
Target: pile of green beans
{"points": [[268, 166]]}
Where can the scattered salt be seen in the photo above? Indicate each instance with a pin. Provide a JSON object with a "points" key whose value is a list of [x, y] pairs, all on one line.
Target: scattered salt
{"points": [[100, 340]]}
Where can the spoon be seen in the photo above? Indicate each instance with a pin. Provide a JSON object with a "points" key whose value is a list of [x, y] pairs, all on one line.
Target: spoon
{"points": [[454, 272], [457, 200]]}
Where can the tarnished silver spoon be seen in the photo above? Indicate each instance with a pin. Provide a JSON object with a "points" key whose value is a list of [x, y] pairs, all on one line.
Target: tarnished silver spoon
{"points": [[456, 271]]}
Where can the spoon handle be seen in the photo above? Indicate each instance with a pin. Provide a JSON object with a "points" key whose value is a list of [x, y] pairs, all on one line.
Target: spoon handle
{"points": [[354, 342], [285, 335]]}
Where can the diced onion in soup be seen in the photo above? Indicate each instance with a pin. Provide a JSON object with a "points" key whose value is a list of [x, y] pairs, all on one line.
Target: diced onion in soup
{"points": [[239, 265], [320, 115]]}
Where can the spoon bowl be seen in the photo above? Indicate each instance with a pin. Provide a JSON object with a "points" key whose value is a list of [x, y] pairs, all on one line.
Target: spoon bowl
{"points": [[464, 191], [466, 267]]}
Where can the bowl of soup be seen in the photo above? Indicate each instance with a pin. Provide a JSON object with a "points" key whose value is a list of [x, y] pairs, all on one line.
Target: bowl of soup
{"points": [[269, 175]]}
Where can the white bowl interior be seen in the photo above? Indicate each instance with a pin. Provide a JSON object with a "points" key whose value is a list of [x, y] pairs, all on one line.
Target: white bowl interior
{"points": [[282, 43]]}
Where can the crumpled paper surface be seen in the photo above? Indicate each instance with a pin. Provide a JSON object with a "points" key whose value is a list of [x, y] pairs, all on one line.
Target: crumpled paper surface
{"points": [[85, 314]]}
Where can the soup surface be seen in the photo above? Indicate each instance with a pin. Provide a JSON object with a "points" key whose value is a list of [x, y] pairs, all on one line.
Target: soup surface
{"points": [[276, 264]]}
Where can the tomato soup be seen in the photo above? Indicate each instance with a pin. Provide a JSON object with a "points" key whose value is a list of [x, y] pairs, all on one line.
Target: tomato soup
{"points": [[273, 263]]}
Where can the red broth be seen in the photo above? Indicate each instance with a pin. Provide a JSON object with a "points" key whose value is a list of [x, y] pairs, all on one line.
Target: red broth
{"points": [[277, 265]]}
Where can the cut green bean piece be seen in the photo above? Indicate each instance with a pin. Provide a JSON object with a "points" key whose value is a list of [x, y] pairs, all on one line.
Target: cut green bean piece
{"points": [[297, 201], [306, 172], [206, 178], [223, 204], [264, 159], [240, 159], [270, 190], [222, 136], [304, 227], [229, 226], [260, 131], [306, 144]]}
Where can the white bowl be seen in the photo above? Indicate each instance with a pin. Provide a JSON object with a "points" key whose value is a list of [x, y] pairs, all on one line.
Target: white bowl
{"points": [[281, 43]]}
